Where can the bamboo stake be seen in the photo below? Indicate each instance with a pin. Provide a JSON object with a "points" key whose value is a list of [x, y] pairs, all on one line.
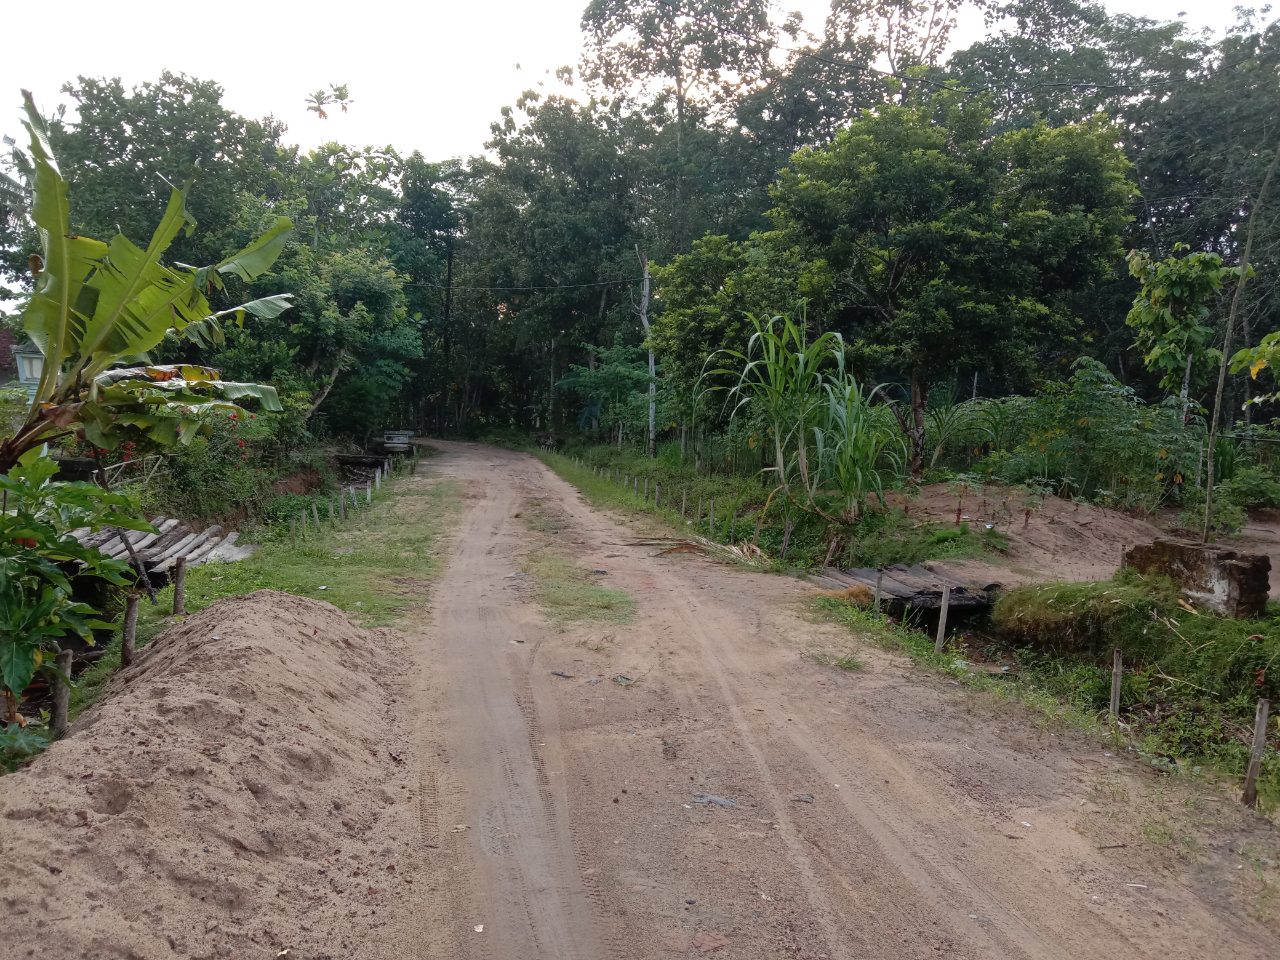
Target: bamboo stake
{"points": [[128, 636], [942, 621], [62, 691], [1250, 795], [1117, 674], [180, 587]]}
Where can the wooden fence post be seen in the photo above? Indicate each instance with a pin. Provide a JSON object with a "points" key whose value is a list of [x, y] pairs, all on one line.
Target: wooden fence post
{"points": [[62, 692], [684, 502], [733, 527], [711, 520], [697, 521], [942, 621], [293, 533], [342, 505], [879, 584], [315, 513], [657, 494], [331, 509], [302, 524], [128, 636], [180, 587], [1123, 546], [786, 540], [368, 491], [1250, 795], [1117, 672]]}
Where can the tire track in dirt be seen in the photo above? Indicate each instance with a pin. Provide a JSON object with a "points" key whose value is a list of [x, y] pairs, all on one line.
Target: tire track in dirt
{"points": [[555, 866], [527, 893]]}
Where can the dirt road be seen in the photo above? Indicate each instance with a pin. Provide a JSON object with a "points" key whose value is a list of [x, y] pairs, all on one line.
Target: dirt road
{"points": [[878, 813]]}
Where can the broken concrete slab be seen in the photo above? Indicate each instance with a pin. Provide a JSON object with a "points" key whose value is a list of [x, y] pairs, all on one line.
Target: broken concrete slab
{"points": [[1227, 582]]}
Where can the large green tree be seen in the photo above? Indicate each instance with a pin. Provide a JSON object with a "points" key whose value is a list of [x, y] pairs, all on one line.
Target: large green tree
{"points": [[951, 248]]}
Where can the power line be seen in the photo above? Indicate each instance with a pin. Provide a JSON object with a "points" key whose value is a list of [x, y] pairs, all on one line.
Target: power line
{"points": [[556, 286]]}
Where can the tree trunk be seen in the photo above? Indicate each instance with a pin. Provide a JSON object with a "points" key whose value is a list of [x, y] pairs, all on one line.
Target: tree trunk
{"points": [[644, 321], [1186, 387], [333, 377], [1226, 341], [915, 431]]}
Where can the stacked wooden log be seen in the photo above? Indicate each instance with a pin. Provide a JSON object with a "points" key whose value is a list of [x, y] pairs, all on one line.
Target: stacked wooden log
{"points": [[916, 587], [160, 551]]}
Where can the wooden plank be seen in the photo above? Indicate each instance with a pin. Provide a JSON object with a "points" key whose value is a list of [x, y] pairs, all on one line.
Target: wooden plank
{"points": [[167, 540], [174, 548], [200, 553], [190, 549]]}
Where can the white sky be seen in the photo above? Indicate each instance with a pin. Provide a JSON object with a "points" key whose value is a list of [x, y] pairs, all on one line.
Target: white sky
{"points": [[426, 76]]}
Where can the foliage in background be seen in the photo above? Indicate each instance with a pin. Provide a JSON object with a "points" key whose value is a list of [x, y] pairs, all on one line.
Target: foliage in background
{"points": [[1169, 313]]}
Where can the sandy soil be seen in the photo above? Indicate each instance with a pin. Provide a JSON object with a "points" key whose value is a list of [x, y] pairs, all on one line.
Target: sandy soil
{"points": [[1061, 540], [232, 794], [878, 813]]}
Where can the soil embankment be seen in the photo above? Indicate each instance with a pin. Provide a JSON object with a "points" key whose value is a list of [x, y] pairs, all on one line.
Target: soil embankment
{"points": [[232, 794]]}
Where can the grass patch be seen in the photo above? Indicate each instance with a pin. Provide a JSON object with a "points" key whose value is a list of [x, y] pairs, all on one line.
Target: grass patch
{"points": [[878, 537], [376, 567], [1191, 681], [568, 595]]}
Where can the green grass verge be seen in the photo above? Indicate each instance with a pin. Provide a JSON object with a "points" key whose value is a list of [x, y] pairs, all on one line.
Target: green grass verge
{"points": [[879, 537], [374, 566], [1191, 681]]}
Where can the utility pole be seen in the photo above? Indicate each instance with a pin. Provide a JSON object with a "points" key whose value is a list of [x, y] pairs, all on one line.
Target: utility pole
{"points": [[644, 321]]}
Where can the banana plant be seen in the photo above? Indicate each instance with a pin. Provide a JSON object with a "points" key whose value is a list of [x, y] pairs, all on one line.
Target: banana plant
{"points": [[97, 304]]}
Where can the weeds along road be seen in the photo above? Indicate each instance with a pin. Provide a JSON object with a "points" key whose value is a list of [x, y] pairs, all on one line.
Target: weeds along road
{"points": [[879, 813]]}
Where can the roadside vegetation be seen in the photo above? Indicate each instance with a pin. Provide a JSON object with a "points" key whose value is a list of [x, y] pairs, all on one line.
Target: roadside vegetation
{"points": [[376, 567]]}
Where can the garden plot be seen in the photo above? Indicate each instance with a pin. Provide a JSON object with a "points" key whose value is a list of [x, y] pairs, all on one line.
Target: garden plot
{"points": [[1058, 540]]}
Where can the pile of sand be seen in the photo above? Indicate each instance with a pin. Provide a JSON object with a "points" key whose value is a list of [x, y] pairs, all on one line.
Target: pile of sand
{"points": [[234, 793]]}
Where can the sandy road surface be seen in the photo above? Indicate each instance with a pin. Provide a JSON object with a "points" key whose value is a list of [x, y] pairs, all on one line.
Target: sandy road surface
{"points": [[879, 813]]}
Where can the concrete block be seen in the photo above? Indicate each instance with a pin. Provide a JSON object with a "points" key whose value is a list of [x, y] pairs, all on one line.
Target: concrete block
{"points": [[1230, 583]]}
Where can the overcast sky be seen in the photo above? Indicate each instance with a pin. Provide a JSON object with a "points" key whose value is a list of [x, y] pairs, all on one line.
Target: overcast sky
{"points": [[425, 76]]}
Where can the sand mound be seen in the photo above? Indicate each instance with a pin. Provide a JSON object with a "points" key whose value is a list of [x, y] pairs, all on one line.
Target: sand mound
{"points": [[232, 794]]}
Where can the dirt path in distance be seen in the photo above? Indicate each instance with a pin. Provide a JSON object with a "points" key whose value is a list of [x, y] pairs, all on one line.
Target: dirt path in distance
{"points": [[878, 813]]}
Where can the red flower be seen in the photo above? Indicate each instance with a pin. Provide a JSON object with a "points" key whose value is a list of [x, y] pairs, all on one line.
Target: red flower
{"points": [[240, 442], [253, 416]]}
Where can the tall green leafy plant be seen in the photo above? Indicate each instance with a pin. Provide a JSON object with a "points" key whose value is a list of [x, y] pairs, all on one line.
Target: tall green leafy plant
{"points": [[781, 381], [1168, 316], [38, 560], [95, 304], [857, 448]]}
